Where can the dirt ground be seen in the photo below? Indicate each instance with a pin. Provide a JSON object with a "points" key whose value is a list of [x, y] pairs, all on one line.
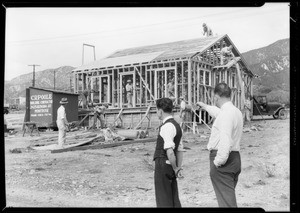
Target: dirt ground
{"points": [[123, 176]]}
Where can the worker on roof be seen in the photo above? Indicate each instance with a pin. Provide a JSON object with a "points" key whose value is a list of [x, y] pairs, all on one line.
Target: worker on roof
{"points": [[129, 92], [226, 54], [207, 30]]}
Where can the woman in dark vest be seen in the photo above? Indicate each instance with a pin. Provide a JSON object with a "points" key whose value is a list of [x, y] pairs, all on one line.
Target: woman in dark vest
{"points": [[168, 156]]}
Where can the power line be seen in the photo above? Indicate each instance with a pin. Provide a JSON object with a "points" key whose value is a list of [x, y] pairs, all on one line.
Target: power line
{"points": [[145, 26], [128, 28]]}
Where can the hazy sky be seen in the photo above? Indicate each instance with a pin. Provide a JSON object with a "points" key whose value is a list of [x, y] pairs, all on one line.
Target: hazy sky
{"points": [[53, 37]]}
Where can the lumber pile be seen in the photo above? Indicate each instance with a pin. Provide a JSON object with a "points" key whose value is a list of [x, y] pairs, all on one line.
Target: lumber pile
{"points": [[90, 137], [105, 145]]}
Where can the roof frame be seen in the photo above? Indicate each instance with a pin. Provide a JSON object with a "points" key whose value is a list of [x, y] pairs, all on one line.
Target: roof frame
{"points": [[234, 47]]}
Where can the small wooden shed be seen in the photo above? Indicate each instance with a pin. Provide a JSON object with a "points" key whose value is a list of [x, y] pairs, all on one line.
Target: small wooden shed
{"points": [[42, 105]]}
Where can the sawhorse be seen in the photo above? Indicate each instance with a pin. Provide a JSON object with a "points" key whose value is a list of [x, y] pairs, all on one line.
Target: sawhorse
{"points": [[30, 126]]}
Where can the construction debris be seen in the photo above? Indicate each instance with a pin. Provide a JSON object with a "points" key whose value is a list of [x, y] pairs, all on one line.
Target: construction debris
{"points": [[103, 145], [256, 127], [89, 139]]}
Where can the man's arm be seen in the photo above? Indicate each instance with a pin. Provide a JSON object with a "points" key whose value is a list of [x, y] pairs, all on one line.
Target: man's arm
{"points": [[172, 158], [173, 161], [213, 111], [168, 132], [65, 118], [179, 160]]}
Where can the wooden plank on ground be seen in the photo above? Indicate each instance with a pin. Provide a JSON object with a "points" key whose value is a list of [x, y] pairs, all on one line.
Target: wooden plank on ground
{"points": [[102, 146], [55, 146]]}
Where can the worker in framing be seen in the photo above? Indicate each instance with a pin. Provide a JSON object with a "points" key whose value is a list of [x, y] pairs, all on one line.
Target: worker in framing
{"points": [[99, 112], [226, 54], [129, 92], [207, 30], [62, 122], [170, 88], [182, 112], [168, 156], [247, 110]]}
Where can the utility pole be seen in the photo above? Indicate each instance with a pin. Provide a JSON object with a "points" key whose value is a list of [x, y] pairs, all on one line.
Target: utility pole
{"points": [[83, 51], [54, 79], [33, 77], [70, 83]]}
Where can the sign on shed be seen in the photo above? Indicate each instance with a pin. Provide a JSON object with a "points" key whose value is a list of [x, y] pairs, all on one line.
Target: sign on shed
{"points": [[42, 105]]}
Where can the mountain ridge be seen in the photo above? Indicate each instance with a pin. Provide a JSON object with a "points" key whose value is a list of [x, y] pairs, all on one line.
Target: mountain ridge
{"points": [[271, 63]]}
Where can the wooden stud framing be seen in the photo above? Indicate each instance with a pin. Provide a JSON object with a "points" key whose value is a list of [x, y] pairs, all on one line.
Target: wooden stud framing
{"points": [[189, 83], [182, 78], [188, 74]]}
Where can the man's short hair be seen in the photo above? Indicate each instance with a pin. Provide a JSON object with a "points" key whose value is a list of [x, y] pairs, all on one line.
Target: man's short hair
{"points": [[165, 104], [223, 90]]}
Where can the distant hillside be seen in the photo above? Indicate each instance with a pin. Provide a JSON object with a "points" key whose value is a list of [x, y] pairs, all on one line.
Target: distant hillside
{"points": [[44, 79], [272, 65]]}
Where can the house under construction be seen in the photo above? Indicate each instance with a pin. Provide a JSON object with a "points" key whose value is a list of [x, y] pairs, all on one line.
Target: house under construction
{"points": [[194, 65]]}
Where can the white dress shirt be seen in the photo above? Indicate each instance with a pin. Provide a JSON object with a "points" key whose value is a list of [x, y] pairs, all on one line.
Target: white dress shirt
{"points": [[226, 132], [61, 115], [182, 105], [129, 88], [168, 132]]}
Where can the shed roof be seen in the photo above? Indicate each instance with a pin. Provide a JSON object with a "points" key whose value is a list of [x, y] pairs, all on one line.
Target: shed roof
{"points": [[158, 52], [121, 60], [54, 91], [185, 48]]}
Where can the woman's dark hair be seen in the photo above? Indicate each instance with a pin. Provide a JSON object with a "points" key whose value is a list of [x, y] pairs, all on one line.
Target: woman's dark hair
{"points": [[223, 90], [165, 104]]}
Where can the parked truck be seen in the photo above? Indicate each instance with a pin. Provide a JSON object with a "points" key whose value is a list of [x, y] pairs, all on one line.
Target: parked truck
{"points": [[261, 106]]}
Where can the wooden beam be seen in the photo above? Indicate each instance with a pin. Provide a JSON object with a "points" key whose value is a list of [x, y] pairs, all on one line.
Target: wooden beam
{"points": [[146, 114], [118, 116], [141, 86], [146, 79], [134, 88], [242, 96], [182, 79], [176, 83], [83, 119], [198, 83], [194, 84], [113, 88], [103, 146], [145, 83], [189, 82]]}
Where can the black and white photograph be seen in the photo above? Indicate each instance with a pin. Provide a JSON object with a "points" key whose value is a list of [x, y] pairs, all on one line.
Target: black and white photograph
{"points": [[147, 107]]}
